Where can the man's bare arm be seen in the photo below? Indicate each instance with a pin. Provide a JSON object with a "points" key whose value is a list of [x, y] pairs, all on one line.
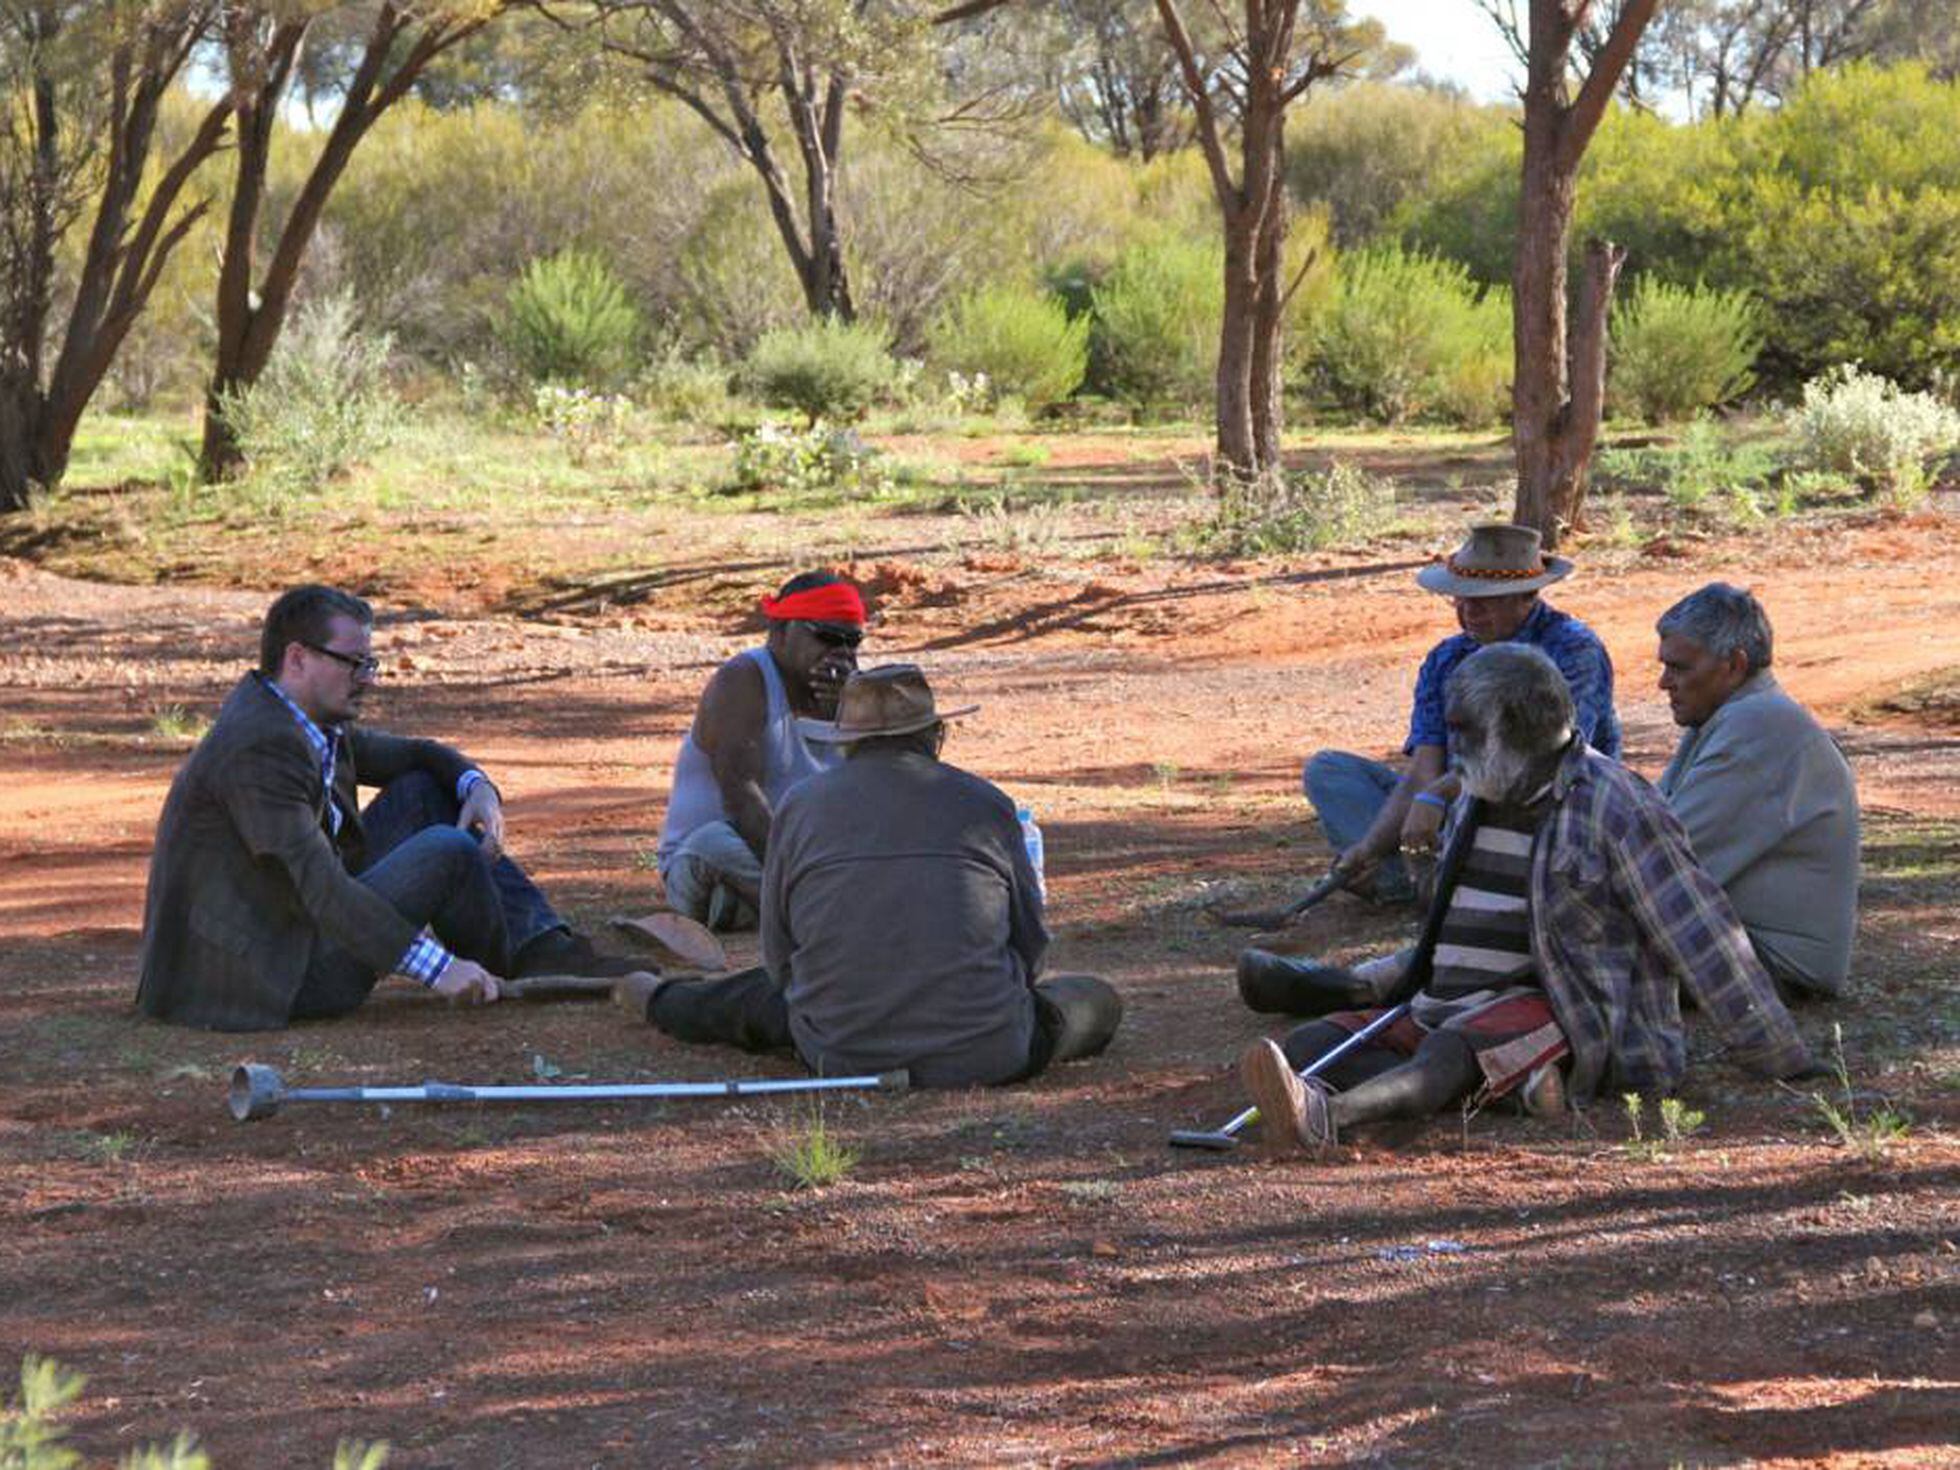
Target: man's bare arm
{"points": [[728, 729], [1385, 834]]}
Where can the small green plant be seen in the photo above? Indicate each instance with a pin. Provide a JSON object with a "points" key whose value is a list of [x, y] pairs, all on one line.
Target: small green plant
{"points": [[1679, 351], [581, 420], [1870, 1136], [31, 1440], [684, 389], [1021, 341], [808, 461], [173, 722], [356, 1454], [1704, 464], [1862, 425], [1298, 512], [1166, 773], [812, 1156], [1678, 1123], [569, 320], [825, 370], [323, 403]]}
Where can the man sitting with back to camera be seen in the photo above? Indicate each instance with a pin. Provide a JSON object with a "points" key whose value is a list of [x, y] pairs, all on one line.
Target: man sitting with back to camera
{"points": [[901, 919], [1767, 798], [1569, 914], [274, 896], [746, 749]]}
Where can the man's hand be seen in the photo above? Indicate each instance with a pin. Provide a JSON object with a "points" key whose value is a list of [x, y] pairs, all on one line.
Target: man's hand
{"points": [[1420, 829], [465, 982], [828, 677], [483, 812]]}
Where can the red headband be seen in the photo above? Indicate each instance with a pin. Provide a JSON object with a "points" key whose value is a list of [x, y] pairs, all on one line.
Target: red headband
{"points": [[837, 603]]}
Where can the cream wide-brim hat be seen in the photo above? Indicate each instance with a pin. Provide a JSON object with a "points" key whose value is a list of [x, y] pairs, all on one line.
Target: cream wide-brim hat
{"points": [[1495, 561]]}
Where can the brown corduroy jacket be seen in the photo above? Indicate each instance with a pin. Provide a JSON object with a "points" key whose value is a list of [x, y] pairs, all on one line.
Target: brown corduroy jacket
{"points": [[245, 880]]}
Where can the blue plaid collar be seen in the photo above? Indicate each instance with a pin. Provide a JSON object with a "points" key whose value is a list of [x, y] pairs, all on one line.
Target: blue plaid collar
{"points": [[322, 741]]}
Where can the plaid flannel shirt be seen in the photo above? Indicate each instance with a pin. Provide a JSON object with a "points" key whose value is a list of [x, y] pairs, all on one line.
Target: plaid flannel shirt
{"points": [[1622, 918]]}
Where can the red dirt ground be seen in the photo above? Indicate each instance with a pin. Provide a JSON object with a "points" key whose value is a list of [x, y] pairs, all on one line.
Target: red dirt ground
{"points": [[1009, 1277]]}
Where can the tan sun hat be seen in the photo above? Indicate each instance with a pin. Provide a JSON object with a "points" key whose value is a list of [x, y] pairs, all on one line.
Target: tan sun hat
{"points": [[1494, 562], [892, 699]]}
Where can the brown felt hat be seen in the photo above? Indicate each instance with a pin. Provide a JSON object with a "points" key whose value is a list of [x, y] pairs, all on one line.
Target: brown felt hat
{"points": [[892, 699], [1495, 561]]}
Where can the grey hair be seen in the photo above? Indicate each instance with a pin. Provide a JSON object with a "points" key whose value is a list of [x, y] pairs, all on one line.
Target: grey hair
{"points": [[1723, 620], [1514, 691]]}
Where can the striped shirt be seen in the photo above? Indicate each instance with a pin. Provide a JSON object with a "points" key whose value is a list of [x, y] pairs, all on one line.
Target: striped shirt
{"points": [[426, 958], [1485, 941]]}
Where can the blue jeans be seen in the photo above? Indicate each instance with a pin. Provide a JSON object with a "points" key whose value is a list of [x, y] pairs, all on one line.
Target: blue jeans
{"points": [[433, 874], [693, 877], [1348, 792]]}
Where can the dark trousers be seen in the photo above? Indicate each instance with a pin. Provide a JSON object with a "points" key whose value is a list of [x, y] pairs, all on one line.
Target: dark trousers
{"points": [[432, 873], [1074, 1015]]}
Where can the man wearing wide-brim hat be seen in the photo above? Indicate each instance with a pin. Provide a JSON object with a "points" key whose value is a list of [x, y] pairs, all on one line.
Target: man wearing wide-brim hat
{"points": [[901, 918], [1376, 815]]}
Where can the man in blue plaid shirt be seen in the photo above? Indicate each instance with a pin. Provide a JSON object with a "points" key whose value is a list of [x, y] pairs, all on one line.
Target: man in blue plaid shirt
{"points": [[1367, 808], [1569, 916]]}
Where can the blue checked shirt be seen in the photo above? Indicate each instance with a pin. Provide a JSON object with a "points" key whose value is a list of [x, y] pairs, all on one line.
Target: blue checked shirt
{"points": [[426, 958], [1622, 920], [1569, 643]]}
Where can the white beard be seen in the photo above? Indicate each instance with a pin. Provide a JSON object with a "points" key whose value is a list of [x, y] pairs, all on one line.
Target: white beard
{"points": [[1497, 774]]}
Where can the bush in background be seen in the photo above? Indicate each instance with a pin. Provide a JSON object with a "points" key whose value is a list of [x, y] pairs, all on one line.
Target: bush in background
{"points": [[1677, 351], [1022, 341], [568, 320], [1406, 334], [324, 402], [1157, 316], [1299, 512], [1860, 424], [825, 370], [806, 461]]}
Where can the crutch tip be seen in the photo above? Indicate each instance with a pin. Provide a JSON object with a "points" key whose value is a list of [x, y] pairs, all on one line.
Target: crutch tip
{"points": [[899, 1081], [255, 1091]]}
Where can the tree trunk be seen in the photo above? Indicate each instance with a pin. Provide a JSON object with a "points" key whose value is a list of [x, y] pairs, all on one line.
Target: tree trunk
{"points": [[1269, 333], [23, 471], [1539, 402], [1238, 450], [1558, 387]]}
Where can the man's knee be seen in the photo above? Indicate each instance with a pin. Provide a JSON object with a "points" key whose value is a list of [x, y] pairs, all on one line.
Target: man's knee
{"points": [[450, 850]]}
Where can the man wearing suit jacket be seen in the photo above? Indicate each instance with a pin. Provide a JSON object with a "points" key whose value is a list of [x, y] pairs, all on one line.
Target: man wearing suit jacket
{"points": [[1766, 797], [274, 897]]}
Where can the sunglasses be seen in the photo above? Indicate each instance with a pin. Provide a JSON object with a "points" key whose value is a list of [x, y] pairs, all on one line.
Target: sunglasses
{"points": [[835, 637], [364, 666]]}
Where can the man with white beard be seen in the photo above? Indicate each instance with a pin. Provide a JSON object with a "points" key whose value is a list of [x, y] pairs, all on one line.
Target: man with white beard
{"points": [[1569, 914]]}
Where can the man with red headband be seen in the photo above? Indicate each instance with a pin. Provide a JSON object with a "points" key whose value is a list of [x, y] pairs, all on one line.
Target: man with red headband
{"points": [[746, 750]]}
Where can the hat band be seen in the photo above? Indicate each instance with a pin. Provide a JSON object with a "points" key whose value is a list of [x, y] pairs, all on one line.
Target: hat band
{"points": [[1493, 574]]}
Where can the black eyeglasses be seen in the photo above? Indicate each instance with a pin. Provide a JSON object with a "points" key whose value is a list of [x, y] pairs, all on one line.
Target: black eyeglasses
{"points": [[836, 637], [365, 666]]}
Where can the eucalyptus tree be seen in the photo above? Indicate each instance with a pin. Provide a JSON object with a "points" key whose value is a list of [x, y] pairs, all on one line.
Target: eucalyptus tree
{"points": [[358, 59], [95, 195]]}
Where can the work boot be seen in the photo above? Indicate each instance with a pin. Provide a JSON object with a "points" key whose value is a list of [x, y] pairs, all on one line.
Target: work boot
{"points": [[1293, 1110], [1279, 984], [560, 951]]}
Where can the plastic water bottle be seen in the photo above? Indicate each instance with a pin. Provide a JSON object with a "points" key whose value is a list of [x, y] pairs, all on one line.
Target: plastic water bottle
{"points": [[1031, 837]]}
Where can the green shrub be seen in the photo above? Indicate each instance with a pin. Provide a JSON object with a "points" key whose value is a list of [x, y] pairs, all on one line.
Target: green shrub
{"points": [[683, 388], [323, 403], [826, 370], [1024, 343], [1407, 334], [1705, 463], [568, 320], [1679, 350], [1157, 316], [583, 422], [1859, 424], [807, 461], [1299, 512]]}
